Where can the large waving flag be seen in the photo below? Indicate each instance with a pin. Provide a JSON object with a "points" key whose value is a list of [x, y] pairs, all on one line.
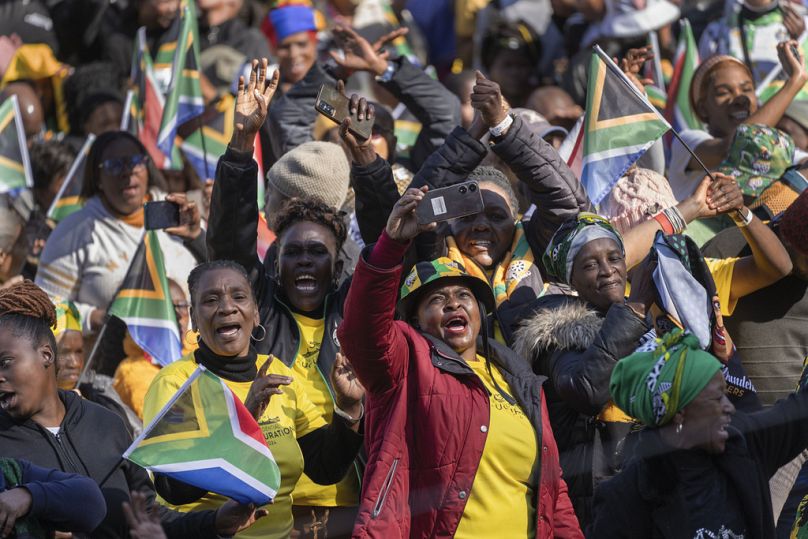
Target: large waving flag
{"points": [[205, 437], [217, 129], [144, 304], [68, 199], [144, 111], [15, 168], [619, 126], [184, 97], [678, 111]]}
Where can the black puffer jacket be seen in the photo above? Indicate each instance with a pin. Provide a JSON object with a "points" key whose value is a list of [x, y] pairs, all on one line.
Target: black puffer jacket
{"points": [[90, 442], [577, 347], [645, 500]]}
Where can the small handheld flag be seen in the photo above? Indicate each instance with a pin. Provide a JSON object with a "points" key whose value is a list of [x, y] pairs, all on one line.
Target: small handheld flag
{"points": [[144, 112], [205, 437], [15, 168], [620, 125], [144, 304], [68, 199]]}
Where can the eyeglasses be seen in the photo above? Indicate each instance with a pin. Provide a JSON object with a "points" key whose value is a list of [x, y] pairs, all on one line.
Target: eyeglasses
{"points": [[119, 165]]}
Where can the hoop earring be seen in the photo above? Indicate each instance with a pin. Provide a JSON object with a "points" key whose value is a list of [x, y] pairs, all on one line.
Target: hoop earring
{"points": [[679, 428], [198, 338], [264, 336]]}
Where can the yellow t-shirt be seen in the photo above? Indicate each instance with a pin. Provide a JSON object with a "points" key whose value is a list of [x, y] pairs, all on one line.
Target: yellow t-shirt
{"points": [[722, 270], [307, 492], [500, 503], [288, 416]]}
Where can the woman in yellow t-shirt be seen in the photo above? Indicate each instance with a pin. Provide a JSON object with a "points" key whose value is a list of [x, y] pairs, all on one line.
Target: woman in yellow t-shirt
{"points": [[225, 313]]}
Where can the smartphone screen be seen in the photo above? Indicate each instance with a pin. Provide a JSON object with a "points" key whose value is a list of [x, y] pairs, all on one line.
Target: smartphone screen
{"points": [[160, 215]]}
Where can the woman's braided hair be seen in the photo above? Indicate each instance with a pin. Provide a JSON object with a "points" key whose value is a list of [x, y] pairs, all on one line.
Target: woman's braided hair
{"points": [[28, 311]]}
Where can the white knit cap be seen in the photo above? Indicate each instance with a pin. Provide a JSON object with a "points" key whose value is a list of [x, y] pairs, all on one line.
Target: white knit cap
{"points": [[312, 170]]}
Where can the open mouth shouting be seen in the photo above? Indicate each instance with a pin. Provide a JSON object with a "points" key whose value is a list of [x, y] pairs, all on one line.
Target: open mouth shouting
{"points": [[306, 283], [7, 400], [455, 325], [228, 331]]}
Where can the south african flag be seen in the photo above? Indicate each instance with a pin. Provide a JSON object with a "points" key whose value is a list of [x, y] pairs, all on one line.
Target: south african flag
{"points": [[15, 168]]}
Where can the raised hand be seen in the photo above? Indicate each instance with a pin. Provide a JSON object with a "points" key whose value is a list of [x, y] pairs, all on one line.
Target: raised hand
{"points": [[190, 217], [263, 387], [712, 198], [362, 151], [357, 54], [793, 64], [792, 20], [486, 97], [348, 391], [402, 225], [252, 104], [632, 66]]}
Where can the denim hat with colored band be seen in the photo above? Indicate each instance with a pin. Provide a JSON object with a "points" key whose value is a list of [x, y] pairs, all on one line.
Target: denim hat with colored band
{"points": [[446, 270]]}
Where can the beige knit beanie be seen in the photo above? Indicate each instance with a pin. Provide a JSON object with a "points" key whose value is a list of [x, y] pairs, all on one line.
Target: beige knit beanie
{"points": [[315, 169], [637, 197]]}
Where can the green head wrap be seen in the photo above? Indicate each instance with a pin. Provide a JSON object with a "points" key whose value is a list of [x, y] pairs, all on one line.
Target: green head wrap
{"points": [[571, 237], [653, 386]]}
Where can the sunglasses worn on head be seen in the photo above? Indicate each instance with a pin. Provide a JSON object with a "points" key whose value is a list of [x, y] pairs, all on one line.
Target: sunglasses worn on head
{"points": [[119, 165]]}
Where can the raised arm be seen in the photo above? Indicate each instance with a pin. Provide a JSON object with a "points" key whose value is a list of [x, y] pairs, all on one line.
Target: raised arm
{"points": [[233, 218], [370, 336]]}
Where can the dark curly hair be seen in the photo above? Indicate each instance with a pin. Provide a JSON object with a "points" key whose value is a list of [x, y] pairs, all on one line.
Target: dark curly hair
{"points": [[513, 36], [312, 210], [89, 86], [200, 270], [29, 313]]}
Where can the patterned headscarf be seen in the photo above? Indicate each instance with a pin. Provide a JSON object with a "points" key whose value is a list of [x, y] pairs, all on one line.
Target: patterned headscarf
{"points": [[571, 237], [67, 318], [652, 386]]}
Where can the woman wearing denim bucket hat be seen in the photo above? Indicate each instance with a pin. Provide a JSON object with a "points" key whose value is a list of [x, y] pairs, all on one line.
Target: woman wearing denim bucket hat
{"points": [[458, 437], [699, 469]]}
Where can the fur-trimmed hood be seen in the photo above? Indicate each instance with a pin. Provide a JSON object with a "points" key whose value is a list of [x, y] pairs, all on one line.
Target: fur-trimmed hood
{"points": [[566, 323]]}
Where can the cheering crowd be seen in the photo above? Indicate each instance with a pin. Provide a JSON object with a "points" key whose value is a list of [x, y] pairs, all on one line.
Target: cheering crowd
{"points": [[425, 247]]}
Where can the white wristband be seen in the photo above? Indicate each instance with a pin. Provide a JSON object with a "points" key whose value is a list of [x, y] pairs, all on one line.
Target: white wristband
{"points": [[344, 415], [743, 220], [501, 127]]}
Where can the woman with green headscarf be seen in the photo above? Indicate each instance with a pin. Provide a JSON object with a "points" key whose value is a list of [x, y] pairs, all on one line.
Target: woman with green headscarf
{"points": [[699, 469]]}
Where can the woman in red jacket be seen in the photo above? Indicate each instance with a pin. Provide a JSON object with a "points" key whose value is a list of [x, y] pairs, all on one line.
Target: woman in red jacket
{"points": [[456, 427]]}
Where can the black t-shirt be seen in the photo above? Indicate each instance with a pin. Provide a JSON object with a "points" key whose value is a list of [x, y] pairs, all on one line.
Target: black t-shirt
{"points": [[712, 504]]}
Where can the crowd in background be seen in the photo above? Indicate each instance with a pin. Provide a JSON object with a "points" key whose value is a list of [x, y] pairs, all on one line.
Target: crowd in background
{"points": [[544, 367]]}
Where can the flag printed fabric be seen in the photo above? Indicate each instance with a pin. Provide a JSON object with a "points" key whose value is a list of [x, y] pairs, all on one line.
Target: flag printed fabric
{"points": [[217, 129], [678, 111], [619, 126], [15, 168], [144, 303], [184, 95], [205, 437], [145, 112], [68, 199]]}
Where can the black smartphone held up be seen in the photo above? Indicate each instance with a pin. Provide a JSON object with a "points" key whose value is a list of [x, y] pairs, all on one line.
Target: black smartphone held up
{"points": [[450, 202], [159, 215], [334, 106]]}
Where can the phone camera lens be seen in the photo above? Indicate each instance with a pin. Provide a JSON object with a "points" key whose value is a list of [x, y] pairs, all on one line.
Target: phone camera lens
{"points": [[473, 187], [463, 190]]}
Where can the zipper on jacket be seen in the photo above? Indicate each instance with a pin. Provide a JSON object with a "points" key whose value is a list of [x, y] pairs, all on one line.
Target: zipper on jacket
{"points": [[388, 482], [65, 451]]}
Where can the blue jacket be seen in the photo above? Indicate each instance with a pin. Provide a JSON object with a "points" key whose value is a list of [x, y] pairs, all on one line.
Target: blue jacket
{"points": [[56, 495]]}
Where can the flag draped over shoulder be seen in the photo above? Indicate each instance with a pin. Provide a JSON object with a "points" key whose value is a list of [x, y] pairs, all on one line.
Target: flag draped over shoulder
{"points": [[619, 126], [15, 168], [678, 111], [205, 437], [68, 199], [184, 94], [144, 303]]}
